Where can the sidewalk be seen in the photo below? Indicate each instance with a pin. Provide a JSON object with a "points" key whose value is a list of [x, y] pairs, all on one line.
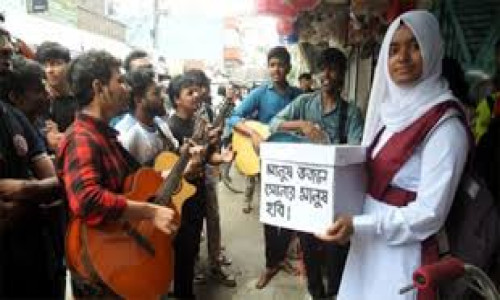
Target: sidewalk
{"points": [[243, 237]]}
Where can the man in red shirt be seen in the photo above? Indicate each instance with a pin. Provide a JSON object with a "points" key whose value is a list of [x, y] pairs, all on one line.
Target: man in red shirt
{"points": [[91, 162]]}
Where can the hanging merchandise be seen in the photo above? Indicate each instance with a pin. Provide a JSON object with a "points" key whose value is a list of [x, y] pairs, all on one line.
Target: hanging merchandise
{"points": [[370, 7], [284, 26], [303, 5], [398, 7], [276, 7]]}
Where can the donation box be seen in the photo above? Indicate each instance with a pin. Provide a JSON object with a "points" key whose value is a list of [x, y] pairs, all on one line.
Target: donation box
{"points": [[304, 186]]}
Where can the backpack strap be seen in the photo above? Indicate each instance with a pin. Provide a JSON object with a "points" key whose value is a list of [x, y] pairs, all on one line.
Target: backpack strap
{"points": [[400, 147], [491, 103], [343, 106]]}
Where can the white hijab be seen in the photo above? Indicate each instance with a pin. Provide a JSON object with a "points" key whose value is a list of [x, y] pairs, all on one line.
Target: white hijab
{"points": [[397, 107]]}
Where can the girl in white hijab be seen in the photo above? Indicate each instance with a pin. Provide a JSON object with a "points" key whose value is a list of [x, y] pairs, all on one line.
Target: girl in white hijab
{"points": [[386, 240]]}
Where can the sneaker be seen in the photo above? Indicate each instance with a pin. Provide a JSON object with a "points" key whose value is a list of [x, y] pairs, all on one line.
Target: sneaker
{"points": [[247, 209], [289, 268], [224, 260], [222, 277], [265, 277], [199, 278]]}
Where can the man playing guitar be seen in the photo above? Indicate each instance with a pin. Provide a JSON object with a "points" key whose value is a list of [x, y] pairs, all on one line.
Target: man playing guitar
{"points": [[91, 162]]}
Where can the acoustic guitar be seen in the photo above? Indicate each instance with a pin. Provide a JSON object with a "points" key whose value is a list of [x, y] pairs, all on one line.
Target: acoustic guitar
{"points": [[247, 159], [134, 259]]}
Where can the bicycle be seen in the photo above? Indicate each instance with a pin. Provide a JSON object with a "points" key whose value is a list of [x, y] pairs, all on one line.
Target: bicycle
{"points": [[449, 269]]}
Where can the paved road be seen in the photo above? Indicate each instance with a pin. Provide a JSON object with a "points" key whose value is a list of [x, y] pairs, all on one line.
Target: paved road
{"points": [[242, 234]]}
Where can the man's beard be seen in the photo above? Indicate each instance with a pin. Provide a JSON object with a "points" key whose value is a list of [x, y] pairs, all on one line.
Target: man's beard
{"points": [[153, 111]]}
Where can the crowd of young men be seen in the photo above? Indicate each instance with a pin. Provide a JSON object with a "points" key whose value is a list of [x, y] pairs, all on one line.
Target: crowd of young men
{"points": [[72, 130], [61, 107]]}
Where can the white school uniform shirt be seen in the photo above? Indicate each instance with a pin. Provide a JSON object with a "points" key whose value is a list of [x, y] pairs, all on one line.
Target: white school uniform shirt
{"points": [[386, 244]]}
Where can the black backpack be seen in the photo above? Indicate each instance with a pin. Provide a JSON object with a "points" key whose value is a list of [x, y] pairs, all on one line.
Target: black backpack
{"points": [[473, 224]]}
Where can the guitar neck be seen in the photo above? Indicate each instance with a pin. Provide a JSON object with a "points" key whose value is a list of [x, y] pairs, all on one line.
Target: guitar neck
{"points": [[171, 184], [219, 120]]}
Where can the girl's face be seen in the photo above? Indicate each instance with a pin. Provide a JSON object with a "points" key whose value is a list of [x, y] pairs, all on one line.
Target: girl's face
{"points": [[405, 61]]}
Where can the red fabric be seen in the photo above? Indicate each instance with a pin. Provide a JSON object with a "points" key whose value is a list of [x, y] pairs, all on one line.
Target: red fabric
{"points": [[284, 26], [302, 5], [398, 7], [399, 149], [276, 8], [382, 169], [92, 166], [496, 108]]}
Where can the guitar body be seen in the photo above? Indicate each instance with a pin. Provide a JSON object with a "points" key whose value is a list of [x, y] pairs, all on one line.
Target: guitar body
{"points": [[164, 162], [247, 160], [120, 261]]}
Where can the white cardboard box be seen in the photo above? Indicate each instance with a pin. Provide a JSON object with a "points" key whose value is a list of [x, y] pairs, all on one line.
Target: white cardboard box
{"points": [[305, 185]]}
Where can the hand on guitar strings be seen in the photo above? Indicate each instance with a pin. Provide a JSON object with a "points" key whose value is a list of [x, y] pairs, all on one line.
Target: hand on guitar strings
{"points": [[164, 219], [227, 155], [256, 140], [214, 135], [194, 168]]}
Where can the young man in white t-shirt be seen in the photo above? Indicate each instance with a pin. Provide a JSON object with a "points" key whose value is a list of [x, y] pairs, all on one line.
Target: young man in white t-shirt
{"points": [[143, 132]]}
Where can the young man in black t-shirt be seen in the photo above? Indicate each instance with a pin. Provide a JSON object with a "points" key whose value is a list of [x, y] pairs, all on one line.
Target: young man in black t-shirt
{"points": [[62, 104], [185, 96], [27, 180]]}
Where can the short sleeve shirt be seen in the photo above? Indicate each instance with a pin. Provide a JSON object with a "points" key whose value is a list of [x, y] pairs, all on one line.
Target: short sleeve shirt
{"points": [[20, 145]]}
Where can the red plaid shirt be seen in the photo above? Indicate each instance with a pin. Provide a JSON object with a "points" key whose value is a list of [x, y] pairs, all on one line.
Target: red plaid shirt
{"points": [[93, 165]]}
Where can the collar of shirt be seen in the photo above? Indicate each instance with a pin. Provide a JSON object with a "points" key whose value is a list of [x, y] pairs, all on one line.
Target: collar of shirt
{"points": [[289, 90], [318, 96], [94, 125]]}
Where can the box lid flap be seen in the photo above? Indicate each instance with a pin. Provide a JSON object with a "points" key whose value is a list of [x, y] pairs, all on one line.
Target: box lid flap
{"points": [[336, 155]]}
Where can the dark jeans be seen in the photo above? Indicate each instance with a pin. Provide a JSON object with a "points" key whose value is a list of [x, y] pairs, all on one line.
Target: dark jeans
{"points": [[26, 263], [187, 244], [322, 260], [277, 241]]}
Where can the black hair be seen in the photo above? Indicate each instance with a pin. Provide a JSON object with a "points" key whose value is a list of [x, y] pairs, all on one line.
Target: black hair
{"points": [[453, 72], [199, 76], [26, 73], [178, 83], [131, 56], [52, 50], [497, 46], [87, 67], [280, 53], [332, 57], [306, 76], [139, 80]]}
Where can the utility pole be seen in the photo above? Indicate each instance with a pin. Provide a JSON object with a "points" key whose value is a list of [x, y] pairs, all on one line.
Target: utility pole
{"points": [[157, 12], [156, 20]]}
